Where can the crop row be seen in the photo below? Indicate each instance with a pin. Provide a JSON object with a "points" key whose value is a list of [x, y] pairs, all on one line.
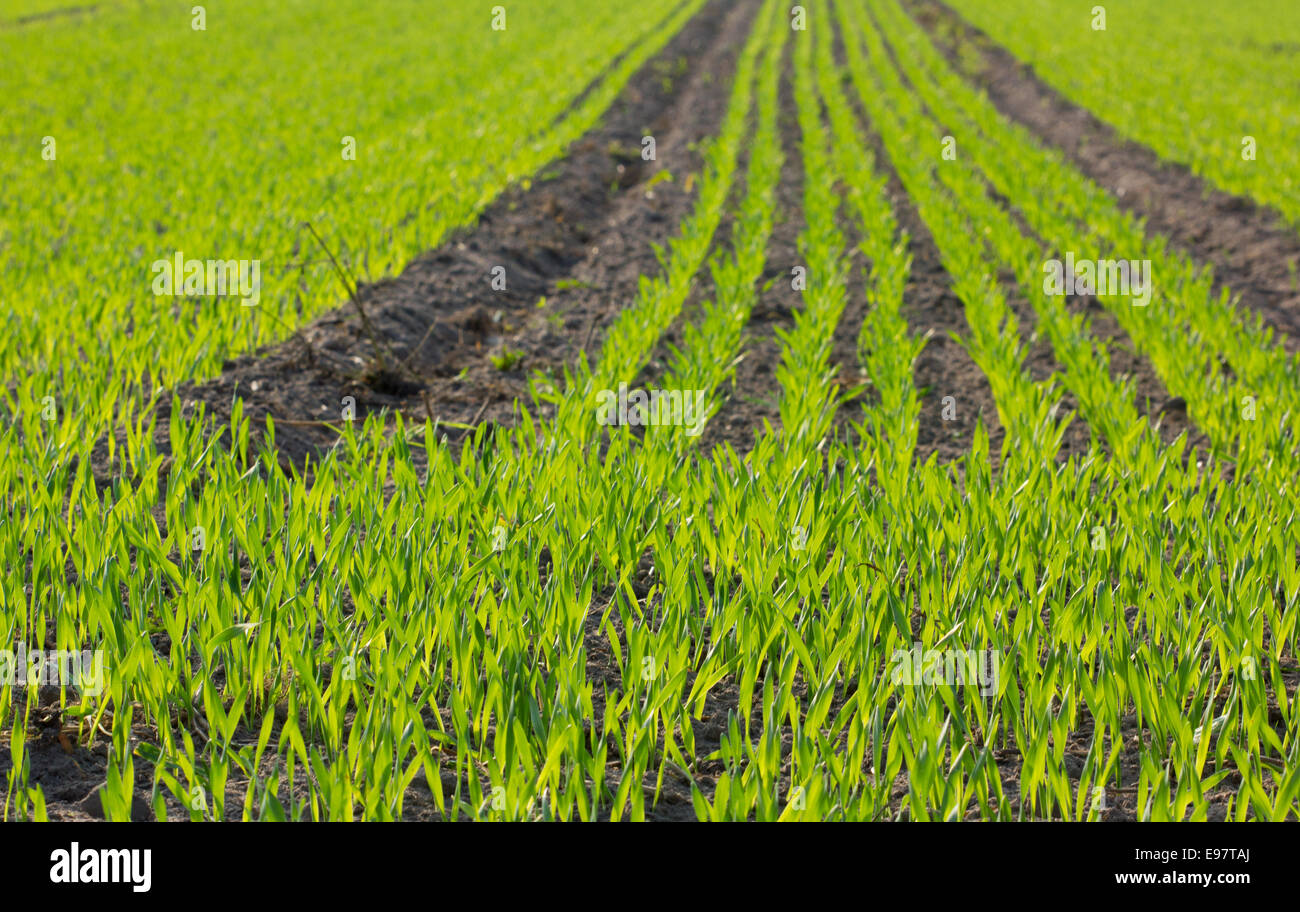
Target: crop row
{"points": [[572, 619], [1141, 66]]}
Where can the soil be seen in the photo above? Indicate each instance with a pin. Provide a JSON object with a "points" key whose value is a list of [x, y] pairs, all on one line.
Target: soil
{"points": [[933, 310], [753, 393], [1040, 361], [580, 235], [1253, 250], [448, 345]]}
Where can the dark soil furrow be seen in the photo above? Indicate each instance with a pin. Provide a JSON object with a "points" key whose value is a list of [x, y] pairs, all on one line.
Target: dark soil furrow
{"points": [[1040, 360], [578, 235], [753, 393], [1252, 249], [664, 66], [944, 367], [703, 288]]}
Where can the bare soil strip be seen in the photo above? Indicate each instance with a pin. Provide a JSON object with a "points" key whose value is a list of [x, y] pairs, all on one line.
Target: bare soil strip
{"points": [[447, 341], [580, 235], [944, 368], [753, 394], [1171, 418], [1252, 249], [612, 65], [1040, 359], [1166, 414]]}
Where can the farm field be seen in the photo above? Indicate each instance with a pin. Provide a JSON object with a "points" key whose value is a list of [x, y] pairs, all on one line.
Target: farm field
{"points": [[1217, 90], [696, 411]]}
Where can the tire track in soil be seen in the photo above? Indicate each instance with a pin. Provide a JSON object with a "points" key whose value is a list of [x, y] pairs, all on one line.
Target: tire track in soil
{"points": [[1251, 247], [578, 234], [944, 367]]}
